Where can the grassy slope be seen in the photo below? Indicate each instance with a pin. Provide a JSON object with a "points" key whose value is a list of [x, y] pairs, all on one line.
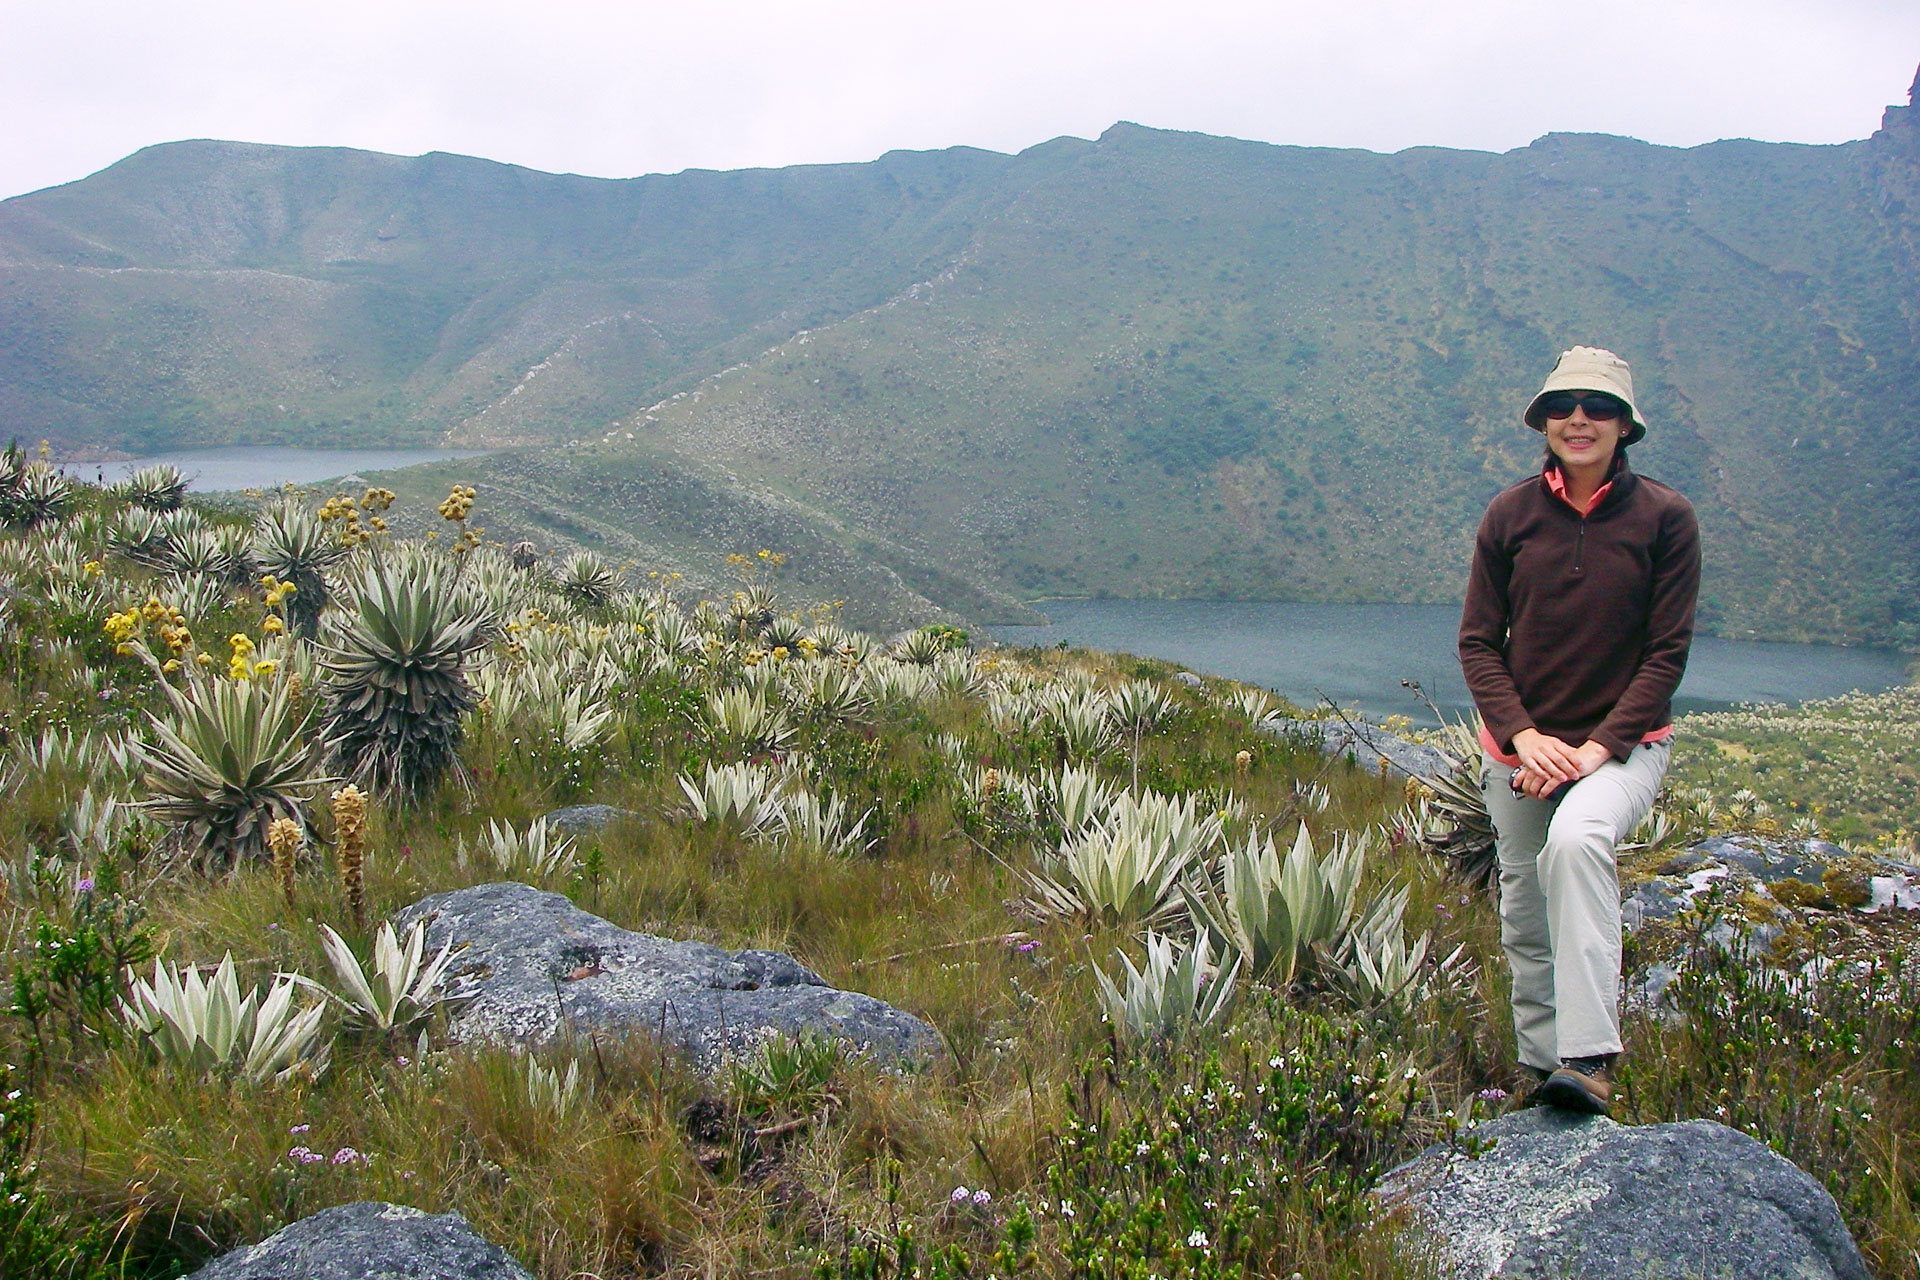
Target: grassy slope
{"points": [[632, 1183], [381, 298], [1184, 366]]}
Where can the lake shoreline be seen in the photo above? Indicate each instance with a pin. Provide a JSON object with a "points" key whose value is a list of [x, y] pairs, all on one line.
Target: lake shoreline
{"points": [[1358, 655], [1750, 636]]}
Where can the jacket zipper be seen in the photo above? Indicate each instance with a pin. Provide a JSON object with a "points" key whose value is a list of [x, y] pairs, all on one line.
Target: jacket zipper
{"points": [[1579, 544]]}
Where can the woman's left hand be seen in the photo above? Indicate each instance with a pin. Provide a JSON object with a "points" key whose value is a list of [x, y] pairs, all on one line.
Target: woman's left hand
{"points": [[1590, 755]]}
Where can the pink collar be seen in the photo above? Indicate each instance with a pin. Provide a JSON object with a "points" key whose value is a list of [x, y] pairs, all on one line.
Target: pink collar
{"points": [[1558, 483]]}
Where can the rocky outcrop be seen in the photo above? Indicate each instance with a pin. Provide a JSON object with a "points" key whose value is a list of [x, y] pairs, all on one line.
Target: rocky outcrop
{"points": [[1765, 882], [530, 967], [587, 819], [1370, 746], [1562, 1195], [369, 1241]]}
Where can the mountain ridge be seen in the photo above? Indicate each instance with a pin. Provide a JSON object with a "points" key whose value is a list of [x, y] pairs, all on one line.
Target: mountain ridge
{"points": [[1152, 363]]}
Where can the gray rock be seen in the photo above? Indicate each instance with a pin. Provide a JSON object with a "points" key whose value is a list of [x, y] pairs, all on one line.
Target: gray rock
{"points": [[369, 1241], [1651, 900], [1649, 991], [530, 966], [1564, 1195], [1368, 744], [1188, 679], [1770, 861], [586, 819]]}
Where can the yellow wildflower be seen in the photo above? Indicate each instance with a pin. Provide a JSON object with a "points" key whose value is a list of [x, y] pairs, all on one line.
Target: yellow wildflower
{"points": [[272, 626]]}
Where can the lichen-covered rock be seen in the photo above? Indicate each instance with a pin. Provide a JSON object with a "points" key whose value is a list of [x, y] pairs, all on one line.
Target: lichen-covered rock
{"points": [[369, 1241], [1562, 1195], [586, 819], [1368, 744], [530, 967]]}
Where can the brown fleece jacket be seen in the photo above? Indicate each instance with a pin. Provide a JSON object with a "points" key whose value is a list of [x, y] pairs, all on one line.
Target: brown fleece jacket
{"points": [[1579, 626]]}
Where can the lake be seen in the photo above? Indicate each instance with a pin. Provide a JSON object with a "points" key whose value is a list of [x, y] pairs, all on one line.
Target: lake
{"points": [[1359, 653], [244, 466]]}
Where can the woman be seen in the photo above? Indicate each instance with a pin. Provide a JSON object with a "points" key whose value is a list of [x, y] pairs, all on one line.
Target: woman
{"points": [[1574, 636]]}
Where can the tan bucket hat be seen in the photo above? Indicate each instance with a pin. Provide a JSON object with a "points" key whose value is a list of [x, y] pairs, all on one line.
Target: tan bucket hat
{"points": [[1590, 369]]}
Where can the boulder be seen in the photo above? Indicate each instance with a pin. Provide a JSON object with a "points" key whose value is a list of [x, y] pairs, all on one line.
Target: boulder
{"points": [[369, 1241], [586, 819], [1558, 1195], [1368, 744], [530, 966], [1189, 680]]}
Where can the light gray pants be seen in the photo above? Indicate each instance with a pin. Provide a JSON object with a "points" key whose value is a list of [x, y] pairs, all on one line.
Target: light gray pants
{"points": [[1560, 902]]}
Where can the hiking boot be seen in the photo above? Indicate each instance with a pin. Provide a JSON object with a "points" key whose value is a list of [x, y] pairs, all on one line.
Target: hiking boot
{"points": [[1527, 1093], [1584, 1085]]}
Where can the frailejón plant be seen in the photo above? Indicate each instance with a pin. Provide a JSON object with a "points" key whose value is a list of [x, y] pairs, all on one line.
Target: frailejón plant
{"points": [[1176, 992], [1272, 914], [398, 987], [234, 756], [396, 684], [208, 1026]]}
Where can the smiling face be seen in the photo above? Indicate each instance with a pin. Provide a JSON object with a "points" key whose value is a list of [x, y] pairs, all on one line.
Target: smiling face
{"points": [[1582, 443]]}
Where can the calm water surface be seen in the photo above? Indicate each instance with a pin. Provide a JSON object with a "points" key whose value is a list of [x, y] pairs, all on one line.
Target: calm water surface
{"points": [[269, 466], [1359, 653]]}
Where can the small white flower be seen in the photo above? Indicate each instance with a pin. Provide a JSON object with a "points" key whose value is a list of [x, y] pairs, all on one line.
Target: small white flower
{"points": [[1198, 1240]]}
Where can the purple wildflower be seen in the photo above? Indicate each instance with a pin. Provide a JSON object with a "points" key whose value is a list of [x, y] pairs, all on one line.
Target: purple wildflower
{"points": [[1492, 1095], [304, 1155], [85, 885], [960, 1195], [347, 1155], [982, 1198]]}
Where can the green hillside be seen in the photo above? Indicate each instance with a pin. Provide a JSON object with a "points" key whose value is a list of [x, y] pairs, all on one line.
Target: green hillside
{"points": [[1155, 364]]}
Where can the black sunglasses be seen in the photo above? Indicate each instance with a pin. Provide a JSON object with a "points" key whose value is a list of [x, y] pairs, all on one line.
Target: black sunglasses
{"points": [[1599, 406]]}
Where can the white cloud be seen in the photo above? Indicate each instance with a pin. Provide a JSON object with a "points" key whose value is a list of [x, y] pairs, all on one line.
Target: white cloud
{"points": [[619, 89]]}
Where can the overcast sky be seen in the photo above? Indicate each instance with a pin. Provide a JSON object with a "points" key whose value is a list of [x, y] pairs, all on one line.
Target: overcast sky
{"points": [[616, 89]]}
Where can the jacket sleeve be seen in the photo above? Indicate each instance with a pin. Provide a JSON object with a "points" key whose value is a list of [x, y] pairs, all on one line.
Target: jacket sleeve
{"points": [[1483, 636], [1676, 585]]}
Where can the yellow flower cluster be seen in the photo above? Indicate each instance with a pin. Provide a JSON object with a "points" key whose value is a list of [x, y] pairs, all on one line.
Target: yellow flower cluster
{"points": [[458, 502], [241, 665], [347, 512], [126, 628], [277, 591]]}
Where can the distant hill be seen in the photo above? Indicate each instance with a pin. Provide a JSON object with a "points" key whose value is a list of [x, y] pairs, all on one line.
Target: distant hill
{"points": [[1154, 364]]}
